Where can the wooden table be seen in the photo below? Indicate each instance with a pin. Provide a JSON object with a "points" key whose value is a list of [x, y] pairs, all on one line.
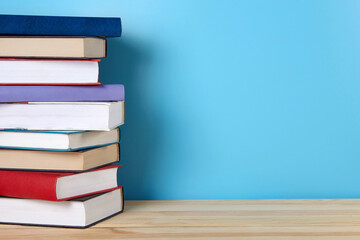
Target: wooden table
{"points": [[229, 219]]}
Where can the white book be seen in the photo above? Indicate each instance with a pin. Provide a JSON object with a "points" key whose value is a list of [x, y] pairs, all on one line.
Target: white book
{"points": [[57, 140], [49, 71], [75, 213], [96, 116]]}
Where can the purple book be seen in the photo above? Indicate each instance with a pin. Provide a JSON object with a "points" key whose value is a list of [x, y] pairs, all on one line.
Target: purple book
{"points": [[99, 93]]}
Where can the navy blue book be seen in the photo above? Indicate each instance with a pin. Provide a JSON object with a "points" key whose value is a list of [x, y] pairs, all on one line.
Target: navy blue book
{"points": [[59, 26]]}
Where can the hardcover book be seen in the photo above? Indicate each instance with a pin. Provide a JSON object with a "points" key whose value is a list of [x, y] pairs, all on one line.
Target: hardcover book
{"points": [[57, 186], [76, 213], [76, 161], [57, 140], [97, 116], [14, 71], [29, 93], [59, 26], [52, 47]]}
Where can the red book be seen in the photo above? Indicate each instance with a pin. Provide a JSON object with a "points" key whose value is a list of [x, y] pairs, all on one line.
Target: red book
{"points": [[16, 71], [57, 186]]}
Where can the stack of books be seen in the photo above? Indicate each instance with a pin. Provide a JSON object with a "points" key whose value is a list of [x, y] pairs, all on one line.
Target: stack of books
{"points": [[59, 137]]}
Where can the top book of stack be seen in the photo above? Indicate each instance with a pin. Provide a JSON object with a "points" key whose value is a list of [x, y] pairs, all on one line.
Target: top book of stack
{"points": [[56, 37], [59, 26]]}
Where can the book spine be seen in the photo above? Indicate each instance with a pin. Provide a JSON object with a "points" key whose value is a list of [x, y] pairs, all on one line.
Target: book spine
{"points": [[31, 185], [29, 93], [59, 26]]}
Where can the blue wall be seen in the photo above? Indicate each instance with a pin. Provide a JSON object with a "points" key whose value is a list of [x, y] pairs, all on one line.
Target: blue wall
{"points": [[233, 99]]}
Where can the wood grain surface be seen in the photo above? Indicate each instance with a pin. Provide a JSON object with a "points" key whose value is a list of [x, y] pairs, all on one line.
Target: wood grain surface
{"points": [[215, 219]]}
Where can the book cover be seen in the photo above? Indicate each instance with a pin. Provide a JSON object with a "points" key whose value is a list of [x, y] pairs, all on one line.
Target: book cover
{"points": [[80, 212], [52, 47], [30, 93], [59, 26], [59, 161], [104, 116], [48, 140], [45, 185], [17, 71]]}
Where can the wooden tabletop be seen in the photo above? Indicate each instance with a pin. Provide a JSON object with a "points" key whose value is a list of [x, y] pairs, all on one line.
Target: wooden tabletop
{"points": [[220, 219]]}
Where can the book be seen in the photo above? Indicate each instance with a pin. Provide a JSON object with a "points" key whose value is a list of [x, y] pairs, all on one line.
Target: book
{"points": [[29, 93], [57, 186], [76, 213], [59, 26], [48, 71], [57, 140], [101, 116], [77, 161], [52, 47]]}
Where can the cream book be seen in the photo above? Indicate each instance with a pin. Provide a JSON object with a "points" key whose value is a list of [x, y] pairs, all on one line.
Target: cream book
{"points": [[97, 116], [76, 161], [52, 47]]}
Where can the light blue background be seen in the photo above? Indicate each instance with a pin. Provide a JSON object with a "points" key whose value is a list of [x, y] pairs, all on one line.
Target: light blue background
{"points": [[232, 99]]}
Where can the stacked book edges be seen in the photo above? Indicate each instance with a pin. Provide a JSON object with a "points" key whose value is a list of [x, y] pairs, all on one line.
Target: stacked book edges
{"points": [[59, 126]]}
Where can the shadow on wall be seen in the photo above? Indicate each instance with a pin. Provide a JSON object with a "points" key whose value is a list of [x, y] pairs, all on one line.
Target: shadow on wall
{"points": [[128, 63]]}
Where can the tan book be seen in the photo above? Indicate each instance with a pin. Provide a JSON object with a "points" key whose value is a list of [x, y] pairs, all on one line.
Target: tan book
{"points": [[52, 47], [57, 160]]}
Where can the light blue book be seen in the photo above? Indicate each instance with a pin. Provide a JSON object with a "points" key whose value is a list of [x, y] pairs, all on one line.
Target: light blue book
{"points": [[57, 140]]}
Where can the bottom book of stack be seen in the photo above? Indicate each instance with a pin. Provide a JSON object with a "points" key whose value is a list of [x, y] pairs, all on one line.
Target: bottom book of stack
{"points": [[63, 199], [76, 213]]}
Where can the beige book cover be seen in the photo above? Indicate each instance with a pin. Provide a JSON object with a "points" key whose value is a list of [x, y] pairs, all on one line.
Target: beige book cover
{"points": [[59, 160], [52, 47]]}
